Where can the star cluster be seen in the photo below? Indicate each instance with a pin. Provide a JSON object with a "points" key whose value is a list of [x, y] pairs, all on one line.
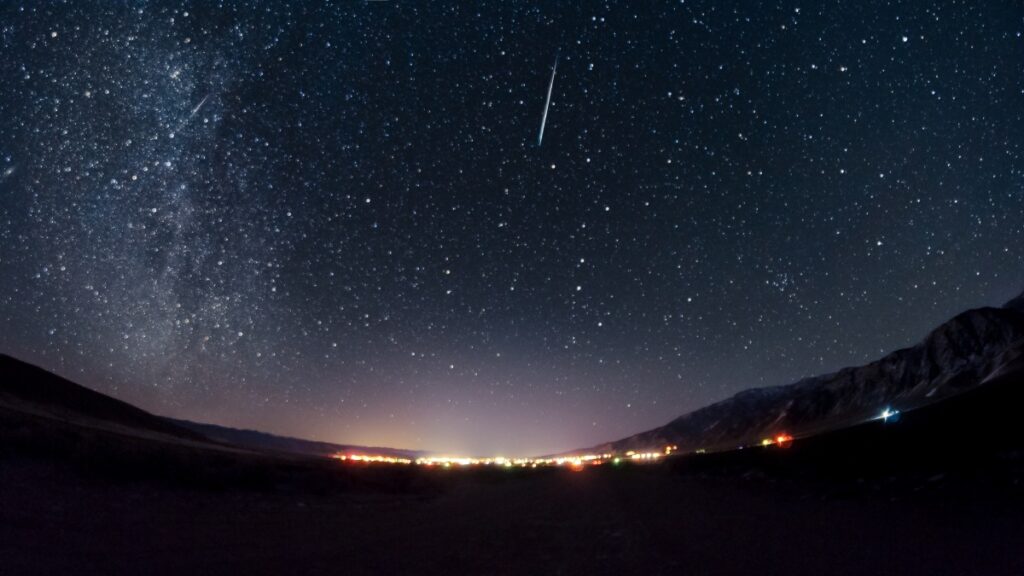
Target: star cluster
{"points": [[336, 221]]}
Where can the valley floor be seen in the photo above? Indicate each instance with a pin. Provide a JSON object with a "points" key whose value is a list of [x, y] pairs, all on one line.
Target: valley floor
{"points": [[607, 521]]}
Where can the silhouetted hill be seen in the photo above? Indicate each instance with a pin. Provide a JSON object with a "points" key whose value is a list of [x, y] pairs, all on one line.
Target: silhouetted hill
{"points": [[969, 446], [265, 441], [28, 388], [961, 354], [46, 418]]}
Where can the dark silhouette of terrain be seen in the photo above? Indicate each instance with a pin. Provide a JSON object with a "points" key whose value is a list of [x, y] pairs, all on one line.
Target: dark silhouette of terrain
{"points": [[46, 417], [91, 485], [962, 353], [30, 389], [263, 441], [968, 446]]}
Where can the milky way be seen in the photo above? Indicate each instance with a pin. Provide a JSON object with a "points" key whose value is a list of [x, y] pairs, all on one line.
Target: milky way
{"points": [[336, 223]]}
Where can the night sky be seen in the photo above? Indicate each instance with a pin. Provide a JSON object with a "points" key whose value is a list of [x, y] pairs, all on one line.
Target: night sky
{"points": [[337, 222]]}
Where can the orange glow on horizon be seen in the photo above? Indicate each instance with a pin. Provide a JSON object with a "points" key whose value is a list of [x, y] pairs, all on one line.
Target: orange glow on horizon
{"points": [[575, 462]]}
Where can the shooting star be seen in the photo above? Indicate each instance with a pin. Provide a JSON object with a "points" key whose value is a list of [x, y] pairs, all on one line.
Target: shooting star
{"points": [[195, 111], [547, 104], [198, 106]]}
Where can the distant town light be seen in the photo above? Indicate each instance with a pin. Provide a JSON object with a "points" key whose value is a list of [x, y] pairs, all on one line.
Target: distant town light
{"points": [[888, 414], [574, 462]]}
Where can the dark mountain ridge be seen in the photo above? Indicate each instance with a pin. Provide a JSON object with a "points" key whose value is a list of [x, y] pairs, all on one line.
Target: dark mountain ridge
{"points": [[267, 441], [28, 388], [25, 388], [959, 355]]}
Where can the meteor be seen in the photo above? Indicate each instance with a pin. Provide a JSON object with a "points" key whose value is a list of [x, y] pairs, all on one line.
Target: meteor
{"points": [[547, 104], [198, 106], [190, 116]]}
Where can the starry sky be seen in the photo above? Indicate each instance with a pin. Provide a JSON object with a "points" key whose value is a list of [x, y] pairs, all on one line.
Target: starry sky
{"points": [[336, 221]]}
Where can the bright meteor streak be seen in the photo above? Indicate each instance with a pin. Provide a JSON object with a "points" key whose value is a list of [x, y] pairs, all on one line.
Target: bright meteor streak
{"points": [[547, 104]]}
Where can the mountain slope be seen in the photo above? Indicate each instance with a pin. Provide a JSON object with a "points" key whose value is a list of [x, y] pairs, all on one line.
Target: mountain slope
{"points": [[30, 389], [966, 446], [265, 441], [959, 355]]}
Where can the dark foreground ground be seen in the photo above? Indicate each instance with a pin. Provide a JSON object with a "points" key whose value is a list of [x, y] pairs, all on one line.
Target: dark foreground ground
{"points": [[111, 492], [611, 521], [56, 520]]}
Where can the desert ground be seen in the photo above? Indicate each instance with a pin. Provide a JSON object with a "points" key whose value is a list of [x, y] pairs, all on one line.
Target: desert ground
{"points": [[110, 490], [640, 520]]}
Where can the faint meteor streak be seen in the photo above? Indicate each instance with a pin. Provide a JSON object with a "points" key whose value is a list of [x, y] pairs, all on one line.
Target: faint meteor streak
{"points": [[198, 106], [190, 116], [547, 104]]}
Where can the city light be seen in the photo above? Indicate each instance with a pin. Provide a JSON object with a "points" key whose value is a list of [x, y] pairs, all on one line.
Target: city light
{"points": [[575, 462], [888, 414], [376, 459], [781, 440]]}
